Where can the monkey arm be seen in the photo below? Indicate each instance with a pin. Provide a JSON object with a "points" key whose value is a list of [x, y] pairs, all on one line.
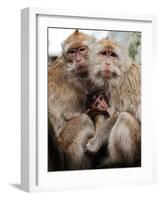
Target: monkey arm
{"points": [[70, 115], [99, 121], [102, 133], [124, 144]]}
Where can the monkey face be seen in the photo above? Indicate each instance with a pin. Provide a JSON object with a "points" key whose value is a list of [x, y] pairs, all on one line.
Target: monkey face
{"points": [[75, 51], [78, 57], [109, 62], [100, 104]]}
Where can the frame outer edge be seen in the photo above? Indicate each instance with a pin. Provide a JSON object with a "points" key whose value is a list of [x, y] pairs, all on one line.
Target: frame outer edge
{"points": [[25, 99], [28, 100], [29, 175], [33, 173]]}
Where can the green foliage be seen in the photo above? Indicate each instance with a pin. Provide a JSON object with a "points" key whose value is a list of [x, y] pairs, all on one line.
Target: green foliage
{"points": [[134, 46]]}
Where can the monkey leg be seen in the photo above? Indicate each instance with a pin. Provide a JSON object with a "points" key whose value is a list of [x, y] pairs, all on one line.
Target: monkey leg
{"points": [[73, 140], [124, 142], [103, 129], [55, 155]]}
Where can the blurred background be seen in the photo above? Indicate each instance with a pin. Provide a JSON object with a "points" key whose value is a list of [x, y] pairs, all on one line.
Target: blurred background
{"points": [[130, 40]]}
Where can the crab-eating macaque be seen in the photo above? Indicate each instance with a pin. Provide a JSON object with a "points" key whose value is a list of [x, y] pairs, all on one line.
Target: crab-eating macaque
{"points": [[97, 108], [122, 131], [67, 97]]}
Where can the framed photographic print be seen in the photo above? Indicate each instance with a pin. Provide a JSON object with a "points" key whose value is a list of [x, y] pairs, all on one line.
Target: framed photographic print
{"points": [[86, 102]]}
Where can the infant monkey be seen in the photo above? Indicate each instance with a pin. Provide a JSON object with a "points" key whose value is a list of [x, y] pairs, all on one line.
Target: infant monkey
{"points": [[97, 106], [99, 111]]}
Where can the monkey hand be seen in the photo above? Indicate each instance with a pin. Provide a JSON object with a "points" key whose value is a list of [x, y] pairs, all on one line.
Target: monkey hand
{"points": [[68, 116], [93, 145]]}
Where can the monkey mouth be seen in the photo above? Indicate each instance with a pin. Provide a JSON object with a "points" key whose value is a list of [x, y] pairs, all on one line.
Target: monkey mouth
{"points": [[83, 74], [109, 74], [81, 69], [106, 74]]}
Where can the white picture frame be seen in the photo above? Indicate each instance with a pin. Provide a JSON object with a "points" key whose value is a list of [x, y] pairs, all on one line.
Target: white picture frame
{"points": [[34, 176]]}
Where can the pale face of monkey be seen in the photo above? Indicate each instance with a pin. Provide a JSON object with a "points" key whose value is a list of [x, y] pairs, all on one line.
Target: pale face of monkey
{"points": [[109, 62]]}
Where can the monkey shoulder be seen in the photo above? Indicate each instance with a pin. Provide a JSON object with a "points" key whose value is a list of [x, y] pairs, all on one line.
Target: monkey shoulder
{"points": [[57, 79], [125, 95], [130, 81], [134, 72], [61, 85]]}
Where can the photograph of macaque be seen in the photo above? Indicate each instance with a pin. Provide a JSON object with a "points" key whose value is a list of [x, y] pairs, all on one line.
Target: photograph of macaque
{"points": [[94, 99]]}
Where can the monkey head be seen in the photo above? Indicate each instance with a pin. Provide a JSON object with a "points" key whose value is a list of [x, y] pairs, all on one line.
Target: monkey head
{"points": [[108, 61], [97, 103], [75, 51]]}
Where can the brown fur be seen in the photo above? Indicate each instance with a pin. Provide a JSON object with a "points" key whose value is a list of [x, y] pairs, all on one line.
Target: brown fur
{"points": [[76, 39], [66, 100], [124, 85]]}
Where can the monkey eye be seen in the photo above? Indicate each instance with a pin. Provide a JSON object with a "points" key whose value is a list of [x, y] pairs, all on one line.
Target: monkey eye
{"points": [[82, 49], [101, 98], [112, 54], [71, 51], [103, 53]]}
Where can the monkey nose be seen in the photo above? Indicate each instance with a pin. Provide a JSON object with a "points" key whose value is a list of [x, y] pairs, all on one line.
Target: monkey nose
{"points": [[78, 60], [103, 104]]}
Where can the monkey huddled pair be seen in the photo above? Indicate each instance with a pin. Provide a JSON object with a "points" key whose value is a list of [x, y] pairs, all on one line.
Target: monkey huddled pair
{"points": [[76, 132]]}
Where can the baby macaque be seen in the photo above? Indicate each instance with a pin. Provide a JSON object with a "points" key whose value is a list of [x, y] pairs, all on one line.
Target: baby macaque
{"points": [[111, 69], [97, 107], [67, 96]]}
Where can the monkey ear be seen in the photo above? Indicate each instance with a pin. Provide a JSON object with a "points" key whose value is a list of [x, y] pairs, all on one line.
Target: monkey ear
{"points": [[64, 46]]}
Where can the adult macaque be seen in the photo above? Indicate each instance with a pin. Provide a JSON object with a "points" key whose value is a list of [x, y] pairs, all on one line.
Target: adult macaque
{"points": [[67, 97], [111, 69]]}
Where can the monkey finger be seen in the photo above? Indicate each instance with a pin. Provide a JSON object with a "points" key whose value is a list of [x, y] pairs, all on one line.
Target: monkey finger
{"points": [[69, 116]]}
